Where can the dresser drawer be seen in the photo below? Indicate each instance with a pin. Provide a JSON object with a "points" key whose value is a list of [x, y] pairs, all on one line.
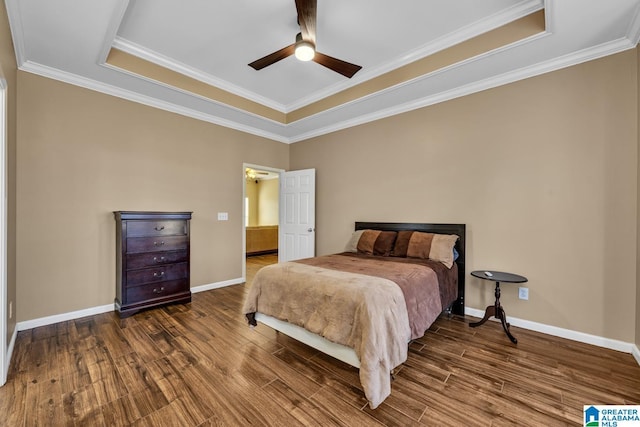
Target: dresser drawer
{"points": [[151, 259], [156, 228], [157, 274], [156, 290], [157, 244]]}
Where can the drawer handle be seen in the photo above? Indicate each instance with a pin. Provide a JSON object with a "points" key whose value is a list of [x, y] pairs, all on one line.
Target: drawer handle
{"points": [[158, 243], [158, 290], [156, 274], [159, 228], [158, 260]]}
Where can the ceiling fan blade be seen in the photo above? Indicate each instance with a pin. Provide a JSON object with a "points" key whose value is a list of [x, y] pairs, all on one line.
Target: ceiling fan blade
{"points": [[345, 68], [307, 12], [274, 57]]}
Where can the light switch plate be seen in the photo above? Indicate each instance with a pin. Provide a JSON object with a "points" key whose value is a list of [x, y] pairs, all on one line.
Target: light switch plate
{"points": [[223, 216]]}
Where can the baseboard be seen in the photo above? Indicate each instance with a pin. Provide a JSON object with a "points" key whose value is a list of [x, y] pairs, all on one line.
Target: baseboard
{"points": [[259, 253], [636, 353], [9, 355], [49, 320], [565, 333], [217, 285]]}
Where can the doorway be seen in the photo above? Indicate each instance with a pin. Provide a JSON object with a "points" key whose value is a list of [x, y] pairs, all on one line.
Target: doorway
{"points": [[260, 210]]}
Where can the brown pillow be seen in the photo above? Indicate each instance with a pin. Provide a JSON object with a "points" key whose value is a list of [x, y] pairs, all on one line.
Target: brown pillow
{"points": [[376, 242], [416, 244], [402, 243], [420, 245], [442, 248]]}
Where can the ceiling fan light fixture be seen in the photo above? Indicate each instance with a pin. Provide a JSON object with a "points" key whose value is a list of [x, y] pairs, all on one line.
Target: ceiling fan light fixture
{"points": [[305, 51]]}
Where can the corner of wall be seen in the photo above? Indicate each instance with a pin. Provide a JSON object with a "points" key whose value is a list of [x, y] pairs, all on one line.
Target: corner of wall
{"points": [[637, 325]]}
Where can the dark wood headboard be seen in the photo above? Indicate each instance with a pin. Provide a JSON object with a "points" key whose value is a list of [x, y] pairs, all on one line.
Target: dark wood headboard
{"points": [[459, 229]]}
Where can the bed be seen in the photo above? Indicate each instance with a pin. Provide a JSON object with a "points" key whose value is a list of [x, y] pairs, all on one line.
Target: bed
{"points": [[364, 305]]}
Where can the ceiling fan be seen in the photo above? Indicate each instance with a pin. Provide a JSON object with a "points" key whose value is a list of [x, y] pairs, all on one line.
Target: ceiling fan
{"points": [[305, 46]]}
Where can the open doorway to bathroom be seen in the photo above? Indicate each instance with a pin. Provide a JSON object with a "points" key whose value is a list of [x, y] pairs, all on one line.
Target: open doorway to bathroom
{"points": [[261, 211]]}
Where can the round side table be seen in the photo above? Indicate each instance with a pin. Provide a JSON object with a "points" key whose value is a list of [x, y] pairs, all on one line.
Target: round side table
{"points": [[496, 310]]}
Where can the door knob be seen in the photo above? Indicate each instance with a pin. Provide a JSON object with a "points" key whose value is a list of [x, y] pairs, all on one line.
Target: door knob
{"points": [[309, 230]]}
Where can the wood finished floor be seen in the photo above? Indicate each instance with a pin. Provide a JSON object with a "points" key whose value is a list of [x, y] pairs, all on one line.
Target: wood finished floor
{"points": [[200, 365]]}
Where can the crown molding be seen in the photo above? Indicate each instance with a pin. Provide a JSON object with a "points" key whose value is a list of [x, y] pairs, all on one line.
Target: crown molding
{"points": [[482, 26], [188, 93], [633, 32], [66, 77], [15, 23], [166, 62], [112, 30], [458, 36], [509, 77], [569, 60], [431, 74]]}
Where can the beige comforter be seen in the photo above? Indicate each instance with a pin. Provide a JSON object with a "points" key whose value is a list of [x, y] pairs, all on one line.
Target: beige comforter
{"points": [[367, 313]]}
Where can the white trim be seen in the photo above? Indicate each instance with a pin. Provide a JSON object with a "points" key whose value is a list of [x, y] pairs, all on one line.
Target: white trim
{"points": [[636, 353], [171, 64], [418, 79], [549, 15], [526, 324], [15, 23], [217, 285], [189, 93], [112, 30], [561, 332], [4, 357], [444, 42], [633, 32], [12, 344], [66, 77], [569, 60], [63, 317], [479, 27]]}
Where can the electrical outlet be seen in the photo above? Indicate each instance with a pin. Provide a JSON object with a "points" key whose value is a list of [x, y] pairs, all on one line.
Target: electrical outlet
{"points": [[523, 293]]}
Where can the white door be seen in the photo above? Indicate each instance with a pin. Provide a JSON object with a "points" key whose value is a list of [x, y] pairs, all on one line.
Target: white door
{"points": [[296, 238]]}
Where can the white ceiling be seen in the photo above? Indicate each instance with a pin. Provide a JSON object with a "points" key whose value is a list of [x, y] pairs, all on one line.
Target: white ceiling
{"points": [[213, 41]]}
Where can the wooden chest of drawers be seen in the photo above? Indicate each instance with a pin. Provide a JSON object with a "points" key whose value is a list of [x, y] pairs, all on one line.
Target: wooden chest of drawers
{"points": [[152, 260]]}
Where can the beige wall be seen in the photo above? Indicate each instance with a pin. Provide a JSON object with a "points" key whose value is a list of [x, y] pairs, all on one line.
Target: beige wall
{"points": [[263, 202], [82, 155], [542, 171], [251, 192], [8, 71], [268, 202]]}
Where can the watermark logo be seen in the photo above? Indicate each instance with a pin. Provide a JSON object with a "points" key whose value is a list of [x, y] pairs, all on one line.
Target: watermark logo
{"points": [[591, 416], [611, 415]]}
